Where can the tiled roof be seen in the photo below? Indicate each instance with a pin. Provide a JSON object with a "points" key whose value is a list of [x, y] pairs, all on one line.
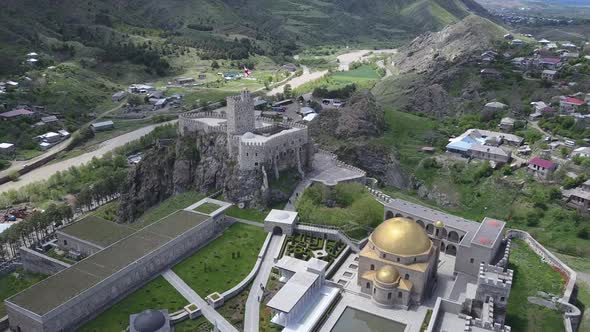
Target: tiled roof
{"points": [[542, 162]]}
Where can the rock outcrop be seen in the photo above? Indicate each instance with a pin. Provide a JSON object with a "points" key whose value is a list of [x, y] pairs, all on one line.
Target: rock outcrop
{"points": [[195, 162]]}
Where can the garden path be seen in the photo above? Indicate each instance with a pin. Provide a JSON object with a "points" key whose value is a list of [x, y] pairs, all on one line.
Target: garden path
{"points": [[190, 295]]}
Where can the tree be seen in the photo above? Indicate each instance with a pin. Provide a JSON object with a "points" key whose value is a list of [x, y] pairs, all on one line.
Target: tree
{"points": [[287, 91], [214, 64], [135, 100]]}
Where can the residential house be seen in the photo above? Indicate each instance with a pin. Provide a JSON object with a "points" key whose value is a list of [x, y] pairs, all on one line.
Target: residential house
{"points": [[582, 152], [105, 125], [579, 198], [569, 46], [549, 63], [569, 104], [7, 148], [490, 73], [17, 113], [184, 80], [508, 36], [49, 119], [488, 56], [289, 67], [544, 42], [140, 88], [569, 55], [160, 103], [541, 168], [517, 42], [117, 97], [483, 144], [507, 124], [519, 62], [495, 106], [548, 75], [202, 76], [492, 153]]}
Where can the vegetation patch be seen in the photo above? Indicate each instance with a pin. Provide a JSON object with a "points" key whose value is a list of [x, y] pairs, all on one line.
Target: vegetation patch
{"points": [[167, 207], [15, 282], [257, 215], [348, 206], [207, 207], [234, 309], [223, 263], [530, 276]]}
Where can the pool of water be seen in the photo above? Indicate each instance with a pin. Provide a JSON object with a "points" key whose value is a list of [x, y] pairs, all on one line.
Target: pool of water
{"points": [[354, 320]]}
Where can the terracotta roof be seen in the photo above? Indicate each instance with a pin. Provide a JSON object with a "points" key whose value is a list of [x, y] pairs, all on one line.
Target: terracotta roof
{"points": [[17, 112], [573, 101], [542, 162]]}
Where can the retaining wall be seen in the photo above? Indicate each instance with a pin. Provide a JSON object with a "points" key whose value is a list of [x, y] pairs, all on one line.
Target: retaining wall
{"points": [[35, 262]]}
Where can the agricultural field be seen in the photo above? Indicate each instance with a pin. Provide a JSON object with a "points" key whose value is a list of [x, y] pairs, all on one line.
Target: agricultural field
{"points": [[364, 76]]}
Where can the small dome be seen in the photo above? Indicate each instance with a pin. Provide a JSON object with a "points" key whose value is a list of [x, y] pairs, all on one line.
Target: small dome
{"points": [[387, 274], [283, 215], [439, 224], [401, 236], [249, 135], [149, 321]]}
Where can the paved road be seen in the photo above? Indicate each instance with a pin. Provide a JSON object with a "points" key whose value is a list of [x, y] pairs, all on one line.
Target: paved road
{"points": [[44, 172], [307, 76], [190, 295], [252, 315]]}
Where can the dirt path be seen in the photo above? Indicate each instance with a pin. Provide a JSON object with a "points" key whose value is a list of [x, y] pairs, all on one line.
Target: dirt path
{"points": [[346, 59], [44, 172]]}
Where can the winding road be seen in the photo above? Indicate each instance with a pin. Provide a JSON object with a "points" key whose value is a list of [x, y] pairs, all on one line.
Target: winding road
{"points": [[44, 172]]}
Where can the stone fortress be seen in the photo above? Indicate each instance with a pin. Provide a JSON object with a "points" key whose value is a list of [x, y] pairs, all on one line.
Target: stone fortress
{"points": [[254, 141]]}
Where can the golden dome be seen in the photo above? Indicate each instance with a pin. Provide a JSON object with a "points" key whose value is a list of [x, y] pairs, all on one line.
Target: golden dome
{"points": [[401, 236], [439, 224], [387, 274]]}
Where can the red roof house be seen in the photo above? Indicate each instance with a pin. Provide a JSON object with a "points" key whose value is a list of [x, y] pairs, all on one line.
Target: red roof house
{"points": [[541, 167]]}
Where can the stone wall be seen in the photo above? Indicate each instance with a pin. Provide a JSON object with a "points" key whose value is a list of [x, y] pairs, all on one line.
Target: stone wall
{"points": [[35, 262], [91, 302]]}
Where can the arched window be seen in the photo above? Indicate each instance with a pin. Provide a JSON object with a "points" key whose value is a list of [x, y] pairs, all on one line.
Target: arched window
{"points": [[372, 267], [407, 277]]}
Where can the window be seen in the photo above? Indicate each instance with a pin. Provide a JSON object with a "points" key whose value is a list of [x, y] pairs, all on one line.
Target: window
{"points": [[372, 267], [407, 277], [399, 295], [256, 154], [471, 260], [246, 154], [255, 164], [398, 259], [389, 296], [374, 290], [382, 255], [502, 299], [368, 285], [414, 259], [65, 242]]}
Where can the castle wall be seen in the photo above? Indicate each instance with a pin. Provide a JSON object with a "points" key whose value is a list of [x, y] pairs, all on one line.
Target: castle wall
{"points": [[67, 242], [35, 262]]}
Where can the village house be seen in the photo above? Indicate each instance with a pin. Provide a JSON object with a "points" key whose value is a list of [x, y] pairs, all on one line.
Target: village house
{"points": [[289, 67], [519, 62], [541, 168], [507, 124], [495, 107], [488, 56], [483, 144], [544, 42], [17, 113], [184, 80], [49, 119], [517, 42], [579, 198], [100, 126], [548, 75], [7, 148], [490, 73], [582, 152], [569, 55], [570, 105], [140, 88], [548, 63]]}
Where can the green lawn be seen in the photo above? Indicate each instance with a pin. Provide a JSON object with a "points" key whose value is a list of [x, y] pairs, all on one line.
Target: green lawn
{"points": [[584, 305], [10, 285], [207, 207], [364, 76], [532, 275], [223, 263], [157, 294], [172, 204], [247, 214]]}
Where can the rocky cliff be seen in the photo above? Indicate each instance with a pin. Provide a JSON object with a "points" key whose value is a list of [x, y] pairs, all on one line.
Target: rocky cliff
{"points": [[434, 60], [194, 162], [350, 133]]}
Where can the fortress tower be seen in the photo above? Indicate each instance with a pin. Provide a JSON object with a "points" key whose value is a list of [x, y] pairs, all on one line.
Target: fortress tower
{"points": [[240, 114]]}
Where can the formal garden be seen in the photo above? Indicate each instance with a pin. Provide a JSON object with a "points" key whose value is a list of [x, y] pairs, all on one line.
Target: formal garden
{"points": [[305, 247]]}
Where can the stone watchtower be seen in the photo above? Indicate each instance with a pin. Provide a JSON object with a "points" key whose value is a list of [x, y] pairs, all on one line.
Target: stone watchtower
{"points": [[240, 114]]}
